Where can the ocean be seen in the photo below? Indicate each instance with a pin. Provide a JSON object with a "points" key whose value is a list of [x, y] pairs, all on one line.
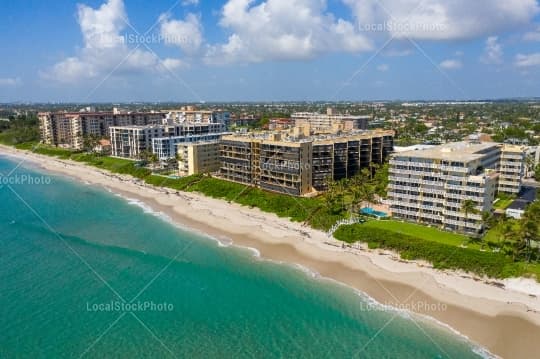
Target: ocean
{"points": [[86, 273]]}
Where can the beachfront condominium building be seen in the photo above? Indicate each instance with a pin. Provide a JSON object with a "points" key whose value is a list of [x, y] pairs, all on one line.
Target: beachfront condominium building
{"points": [[330, 121], [512, 168], [61, 129], [162, 140], [68, 129], [198, 157], [298, 163], [167, 147], [431, 185]]}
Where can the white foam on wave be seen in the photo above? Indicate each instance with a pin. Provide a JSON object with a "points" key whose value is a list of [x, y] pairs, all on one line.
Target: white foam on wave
{"points": [[308, 271], [221, 241], [254, 251], [370, 301], [375, 305]]}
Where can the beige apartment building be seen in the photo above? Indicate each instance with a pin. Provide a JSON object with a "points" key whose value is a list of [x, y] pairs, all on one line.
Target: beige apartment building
{"points": [[431, 185], [200, 157], [298, 163], [61, 129], [67, 129], [326, 122]]}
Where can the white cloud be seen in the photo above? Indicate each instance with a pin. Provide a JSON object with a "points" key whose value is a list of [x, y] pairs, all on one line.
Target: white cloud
{"points": [[283, 30], [525, 61], [532, 35], [186, 34], [493, 52], [442, 19], [10, 81], [451, 64], [190, 2], [173, 64], [106, 49], [383, 67]]}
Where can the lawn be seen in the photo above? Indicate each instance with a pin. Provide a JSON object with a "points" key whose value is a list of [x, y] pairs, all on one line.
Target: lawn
{"points": [[494, 234], [422, 232], [503, 203]]}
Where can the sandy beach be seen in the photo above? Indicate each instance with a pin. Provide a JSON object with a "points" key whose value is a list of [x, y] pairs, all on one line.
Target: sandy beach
{"points": [[502, 316]]}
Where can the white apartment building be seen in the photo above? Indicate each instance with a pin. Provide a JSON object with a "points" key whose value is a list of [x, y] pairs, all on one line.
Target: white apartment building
{"points": [[162, 140], [431, 185], [168, 147], [132, 141], [512, 168], [188, 114]]}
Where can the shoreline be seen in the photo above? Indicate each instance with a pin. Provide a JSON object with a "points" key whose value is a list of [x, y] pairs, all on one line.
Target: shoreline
{"points": [[503, 321]]}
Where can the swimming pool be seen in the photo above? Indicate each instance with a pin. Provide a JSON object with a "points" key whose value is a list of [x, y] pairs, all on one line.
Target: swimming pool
{"points": [[371, 212]]}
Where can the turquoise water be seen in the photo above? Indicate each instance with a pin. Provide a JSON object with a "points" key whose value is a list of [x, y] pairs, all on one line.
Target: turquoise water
{"points": [[74, 249]]}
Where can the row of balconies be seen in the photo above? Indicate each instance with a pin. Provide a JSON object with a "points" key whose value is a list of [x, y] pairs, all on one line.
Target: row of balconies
{"points": [[405, 212], [511, 156], [413, 164], [462, 224], [459, 213]]}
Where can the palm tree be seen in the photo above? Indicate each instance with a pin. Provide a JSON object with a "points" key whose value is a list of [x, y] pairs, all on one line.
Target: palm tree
{"points": [[506, 233], [528, 230], [488, 219], [468, 207]]}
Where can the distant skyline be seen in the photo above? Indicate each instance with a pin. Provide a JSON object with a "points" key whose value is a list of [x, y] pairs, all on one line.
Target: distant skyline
{"points": [[273, 50]]}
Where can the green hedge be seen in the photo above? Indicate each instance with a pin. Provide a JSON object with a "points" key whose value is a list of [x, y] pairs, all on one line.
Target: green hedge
{"points": [[313, 211], [442, 256]]}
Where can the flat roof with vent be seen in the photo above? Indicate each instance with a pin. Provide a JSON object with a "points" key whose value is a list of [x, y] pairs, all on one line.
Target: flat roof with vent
{"points": [[455, 151]]}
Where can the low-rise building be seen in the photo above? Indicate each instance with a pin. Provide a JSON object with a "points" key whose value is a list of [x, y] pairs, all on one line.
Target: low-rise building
{"points": [[198, 157]]}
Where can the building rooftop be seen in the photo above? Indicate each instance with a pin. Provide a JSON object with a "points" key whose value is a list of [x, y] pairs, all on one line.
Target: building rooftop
{"points": [[527, 194], [514, 148], [456, 151], [519, 204], [284, 136]]}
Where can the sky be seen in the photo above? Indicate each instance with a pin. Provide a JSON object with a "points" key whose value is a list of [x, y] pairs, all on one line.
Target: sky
{"points": [[268, 50]]}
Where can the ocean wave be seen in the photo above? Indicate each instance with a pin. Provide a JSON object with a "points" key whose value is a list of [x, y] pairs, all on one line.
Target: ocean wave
{"points": [[225, 242], [221, 241]]}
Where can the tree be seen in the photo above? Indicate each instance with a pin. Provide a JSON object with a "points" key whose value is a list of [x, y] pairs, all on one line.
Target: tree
{"points": [[537, 173], [506, 233], [488, 219], [468, 207], [148, 157], [90, 142], [381, 180], [172, 163], [331, 195]]}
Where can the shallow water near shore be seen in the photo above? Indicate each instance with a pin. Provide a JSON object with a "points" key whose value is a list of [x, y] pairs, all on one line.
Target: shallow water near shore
{"points": [[71, 253]]}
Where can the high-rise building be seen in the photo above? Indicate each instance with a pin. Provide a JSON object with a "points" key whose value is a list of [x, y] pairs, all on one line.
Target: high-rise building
{"points": [[512, 168], [431, 185], [330, 121], [68, 129], [300, 164]]}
